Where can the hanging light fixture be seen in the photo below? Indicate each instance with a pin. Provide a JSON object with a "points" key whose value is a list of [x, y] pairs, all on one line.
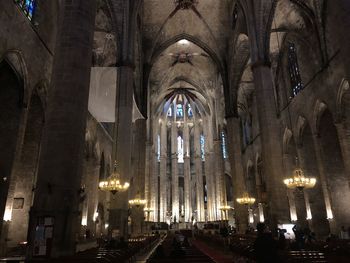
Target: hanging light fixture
{"points": [[137, 201], [245, 199], [112, 183], [299, 180]]}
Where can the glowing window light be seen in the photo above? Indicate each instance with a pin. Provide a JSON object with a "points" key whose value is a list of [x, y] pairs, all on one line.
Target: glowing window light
{"points": [[189, 111], [223, 145], [28, 7], [183, 42], [202, 144], [179, 111], [170, 112], [294, 72]]}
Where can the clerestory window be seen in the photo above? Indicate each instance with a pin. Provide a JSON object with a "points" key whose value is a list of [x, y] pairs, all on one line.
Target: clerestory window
{"points": [[28, 7], [294, 72]]}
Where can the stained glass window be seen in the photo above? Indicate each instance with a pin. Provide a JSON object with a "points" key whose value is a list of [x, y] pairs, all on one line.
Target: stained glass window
{"points": [[180, 149], [295, 79], [202, 143], [223, 145], [170, 112], [158, 148], [179, 111], [189, 111], [28, 7]]}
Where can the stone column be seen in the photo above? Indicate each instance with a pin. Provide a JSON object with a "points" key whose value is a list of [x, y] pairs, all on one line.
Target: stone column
{"points": [[62, 147], [238, 183], [209, 165], [118, 213], [91, 190], [174, 174], [148, 173], [344, 141], [199, 174], [271, 148], [187, 175], [137, 215], [219, 178], [333, 222], [163, 172], [209, 171]]}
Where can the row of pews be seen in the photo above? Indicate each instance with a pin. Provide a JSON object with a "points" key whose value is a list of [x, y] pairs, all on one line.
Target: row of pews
{"points": [[242, 246], [108, 254]]}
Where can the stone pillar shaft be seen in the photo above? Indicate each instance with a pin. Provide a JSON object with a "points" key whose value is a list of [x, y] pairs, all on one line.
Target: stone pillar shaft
{"points": [[60, 167], [271, 153], [344, 141], [219, 179], [174, 174], [235, 157], [163, 173], [199, 174], [118, 221], [187, 175], [137, 215], [326, 193]]}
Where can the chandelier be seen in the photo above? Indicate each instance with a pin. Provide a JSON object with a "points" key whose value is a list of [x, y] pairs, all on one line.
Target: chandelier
{"points": [[299, 180], [185, 4], [245, 199], [137, 201], [113, 184]]}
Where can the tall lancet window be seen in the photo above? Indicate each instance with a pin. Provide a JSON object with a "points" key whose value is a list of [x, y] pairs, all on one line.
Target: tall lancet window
{"points": [[295, 79], [224, 145], [170, 112], [180, 149], [202, 144], [179, 111], [189, 111], [28, 7], [158, 148]]}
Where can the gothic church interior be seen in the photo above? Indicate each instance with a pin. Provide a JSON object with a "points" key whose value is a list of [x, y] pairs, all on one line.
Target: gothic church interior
{"points": [[141, 119]]}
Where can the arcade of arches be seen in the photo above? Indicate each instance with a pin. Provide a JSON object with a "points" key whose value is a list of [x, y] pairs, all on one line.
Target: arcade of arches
{"points": [[197, 103]]}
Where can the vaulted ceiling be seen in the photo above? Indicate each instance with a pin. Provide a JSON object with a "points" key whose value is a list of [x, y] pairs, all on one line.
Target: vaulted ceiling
{"points": [[185, 43]]}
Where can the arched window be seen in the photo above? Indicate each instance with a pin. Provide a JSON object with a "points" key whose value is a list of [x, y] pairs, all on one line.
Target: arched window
{"points": [[180, 149], [223, 145], [28, 7], [202, 143], [170, 112], [295, 79]]}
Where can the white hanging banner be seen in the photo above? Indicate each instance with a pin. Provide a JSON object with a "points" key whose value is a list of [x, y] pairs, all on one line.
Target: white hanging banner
{"points": [[103, 82]]}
